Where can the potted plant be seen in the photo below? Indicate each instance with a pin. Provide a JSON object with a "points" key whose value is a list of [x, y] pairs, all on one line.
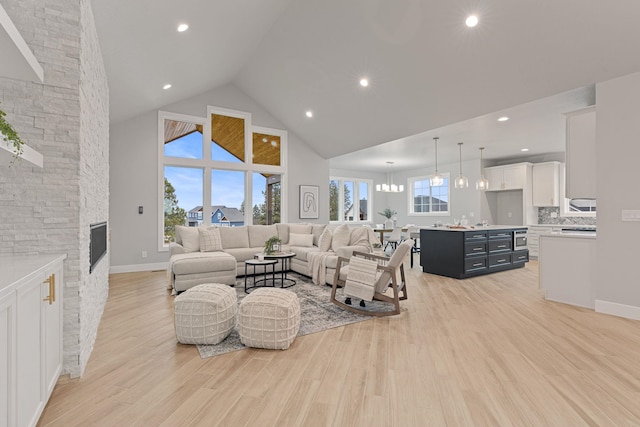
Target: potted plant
{"points": [[388, 213], [10, 136], [272, 245]]}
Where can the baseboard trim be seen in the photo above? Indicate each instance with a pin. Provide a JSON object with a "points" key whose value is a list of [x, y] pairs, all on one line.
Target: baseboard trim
{"points": [[135, 268], [616, 309]]}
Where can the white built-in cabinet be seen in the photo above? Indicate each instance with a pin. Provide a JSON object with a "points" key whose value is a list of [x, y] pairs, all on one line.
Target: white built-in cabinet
{"points": [[507, 177], [546, 184], [581, 154], [31, 293]]}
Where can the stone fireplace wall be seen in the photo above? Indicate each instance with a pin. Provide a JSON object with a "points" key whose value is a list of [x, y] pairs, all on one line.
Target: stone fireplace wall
{"points": [[66, 119]]}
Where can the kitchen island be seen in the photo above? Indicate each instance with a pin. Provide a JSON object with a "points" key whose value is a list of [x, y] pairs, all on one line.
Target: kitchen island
{"points": [[468, 252]]}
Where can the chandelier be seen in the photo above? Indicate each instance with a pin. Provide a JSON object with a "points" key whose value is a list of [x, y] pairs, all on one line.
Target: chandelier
{"points": [[390, 187]]}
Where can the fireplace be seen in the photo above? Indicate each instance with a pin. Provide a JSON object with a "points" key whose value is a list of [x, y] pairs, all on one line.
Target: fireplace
{"points": [[97, 244]]}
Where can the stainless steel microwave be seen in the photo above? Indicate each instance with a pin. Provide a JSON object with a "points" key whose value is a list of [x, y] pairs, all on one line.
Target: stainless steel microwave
{"points": [[519, 240]]}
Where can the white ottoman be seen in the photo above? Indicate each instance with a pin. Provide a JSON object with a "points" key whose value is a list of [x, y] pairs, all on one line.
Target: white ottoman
{"points": [[269, 318], [205, 314]]}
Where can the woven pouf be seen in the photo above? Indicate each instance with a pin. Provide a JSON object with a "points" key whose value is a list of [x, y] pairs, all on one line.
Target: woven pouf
{"points": [[205, 314], [269, 318]]}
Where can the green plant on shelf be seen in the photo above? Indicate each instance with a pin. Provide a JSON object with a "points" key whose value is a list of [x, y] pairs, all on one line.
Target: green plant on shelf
{"points": [[9, 135], [272, 245]]}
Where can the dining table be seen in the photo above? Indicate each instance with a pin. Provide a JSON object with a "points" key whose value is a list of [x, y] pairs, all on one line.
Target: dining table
{"points": [[381, 232]]}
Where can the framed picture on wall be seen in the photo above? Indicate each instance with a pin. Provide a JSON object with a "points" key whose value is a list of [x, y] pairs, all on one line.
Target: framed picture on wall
{"points": [[309, 202]]}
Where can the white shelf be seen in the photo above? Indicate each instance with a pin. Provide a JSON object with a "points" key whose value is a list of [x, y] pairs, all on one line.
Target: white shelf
{"points": [[7, 154], [16, 59]]}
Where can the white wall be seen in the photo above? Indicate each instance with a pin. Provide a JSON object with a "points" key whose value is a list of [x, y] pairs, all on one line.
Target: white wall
{"points": [[618, 153], [134, 145]]}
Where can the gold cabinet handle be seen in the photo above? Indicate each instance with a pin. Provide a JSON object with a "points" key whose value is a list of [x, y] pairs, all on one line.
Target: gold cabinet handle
{"points": [[51, 280]]}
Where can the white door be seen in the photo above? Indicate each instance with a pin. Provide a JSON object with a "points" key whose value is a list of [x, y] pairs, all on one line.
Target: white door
{"points": [[52, 314], [7, 359], [29, 346]]}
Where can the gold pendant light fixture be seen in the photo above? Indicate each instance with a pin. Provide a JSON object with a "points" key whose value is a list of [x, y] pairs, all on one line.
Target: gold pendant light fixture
{"points": [[461, 181], [482, 183], [436, 180]]}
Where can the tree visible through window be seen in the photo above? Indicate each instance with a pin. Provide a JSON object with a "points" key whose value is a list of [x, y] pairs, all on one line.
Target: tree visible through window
{"points": [[173, 213], [348, 199], [241, 169]]}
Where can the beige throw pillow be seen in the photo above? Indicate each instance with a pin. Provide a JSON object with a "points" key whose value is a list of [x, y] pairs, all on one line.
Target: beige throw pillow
{"points": [[324, 242], [300, 228], [302, 240], [316, 230], [341, 236], [210, 240], [360, 237], [189, 237]]}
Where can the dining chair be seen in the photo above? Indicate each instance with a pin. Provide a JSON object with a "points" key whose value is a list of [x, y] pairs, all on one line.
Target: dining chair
{"points": [[394, 238]]}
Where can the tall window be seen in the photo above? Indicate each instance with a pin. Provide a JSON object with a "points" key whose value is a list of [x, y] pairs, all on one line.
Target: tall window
{"points": [[221, 171], [349, 199], [427, 200]]}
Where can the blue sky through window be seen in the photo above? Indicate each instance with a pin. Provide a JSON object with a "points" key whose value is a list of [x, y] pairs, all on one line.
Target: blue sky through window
{"points": [[227, 187], [187, 147]]}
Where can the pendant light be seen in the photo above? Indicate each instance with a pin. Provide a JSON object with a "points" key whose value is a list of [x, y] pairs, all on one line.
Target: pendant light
{"points": [[482, 183], [436, 180], [390, 187], [461, 181]]}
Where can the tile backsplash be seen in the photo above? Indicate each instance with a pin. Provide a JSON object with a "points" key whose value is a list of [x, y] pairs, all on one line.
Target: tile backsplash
{"points": [[544, 217]]}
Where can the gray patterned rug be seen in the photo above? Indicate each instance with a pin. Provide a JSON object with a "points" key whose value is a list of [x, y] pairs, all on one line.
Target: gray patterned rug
{"points": [[317, 313]]}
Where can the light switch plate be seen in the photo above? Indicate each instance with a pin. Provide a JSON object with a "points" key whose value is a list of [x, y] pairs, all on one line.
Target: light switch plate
{"points": [[630, 215]]}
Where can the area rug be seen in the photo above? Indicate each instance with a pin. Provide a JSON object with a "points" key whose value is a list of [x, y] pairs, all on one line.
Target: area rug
{"points": [[317, 313]]}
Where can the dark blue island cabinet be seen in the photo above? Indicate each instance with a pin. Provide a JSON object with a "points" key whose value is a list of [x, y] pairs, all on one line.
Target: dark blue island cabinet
{"points": [[462, 253]]}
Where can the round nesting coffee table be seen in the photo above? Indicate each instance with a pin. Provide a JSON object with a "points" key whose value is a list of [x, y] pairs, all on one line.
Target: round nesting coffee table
{"points": [[264, 281], [285, 266]]}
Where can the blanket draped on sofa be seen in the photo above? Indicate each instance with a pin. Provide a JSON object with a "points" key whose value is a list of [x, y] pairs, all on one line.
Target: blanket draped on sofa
{"points": [[317, 266]]}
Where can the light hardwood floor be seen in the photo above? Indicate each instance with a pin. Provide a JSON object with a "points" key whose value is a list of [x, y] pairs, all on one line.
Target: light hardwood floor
{"points": [[488, 351]]}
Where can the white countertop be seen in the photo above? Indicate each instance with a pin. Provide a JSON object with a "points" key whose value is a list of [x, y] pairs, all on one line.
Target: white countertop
{"points": [[478, 228], [561, 225], [569, 234], [15, 268]]}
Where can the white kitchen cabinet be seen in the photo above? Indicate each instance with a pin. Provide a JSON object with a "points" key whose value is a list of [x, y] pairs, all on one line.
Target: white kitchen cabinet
{"points": [[7, 358], [533, 239], [507, 177], [546, 184], [567, 268], [581, 154], [31, 293]]}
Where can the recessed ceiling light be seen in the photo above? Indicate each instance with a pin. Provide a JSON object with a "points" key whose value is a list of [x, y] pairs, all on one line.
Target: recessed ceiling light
{"points": [[182, 28], [524, 149], [471, 21], [364, 82], [503, 119], [167, 86], [274, 144], [309, 113]]}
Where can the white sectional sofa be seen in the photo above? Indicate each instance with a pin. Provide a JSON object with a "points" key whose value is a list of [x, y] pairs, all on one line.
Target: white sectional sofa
{"points": [[217, 254]]}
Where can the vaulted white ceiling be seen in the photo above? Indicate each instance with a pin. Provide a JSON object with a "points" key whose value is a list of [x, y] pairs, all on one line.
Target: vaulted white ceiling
{"points": [[427, 70]]}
